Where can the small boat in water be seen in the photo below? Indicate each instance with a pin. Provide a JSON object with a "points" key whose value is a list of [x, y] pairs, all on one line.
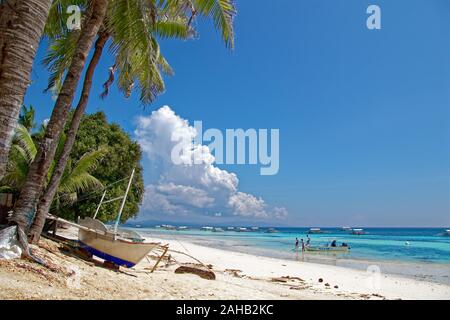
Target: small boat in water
{"points": [[347, 229], [207, 228], [271, 230], [230, 228], [341, 249], [217, 230], [119, 246], [242, 229], [254, 228], [182, 228], [447, 232], [358, 231], [314, 231]]}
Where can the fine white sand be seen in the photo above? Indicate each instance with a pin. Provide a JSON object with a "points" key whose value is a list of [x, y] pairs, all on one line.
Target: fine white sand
{"points": [[238, 276], [351, 282]]}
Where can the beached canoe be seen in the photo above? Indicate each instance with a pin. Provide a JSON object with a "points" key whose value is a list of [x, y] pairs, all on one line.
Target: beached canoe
{"points": [[122, 247], [110, 246]]}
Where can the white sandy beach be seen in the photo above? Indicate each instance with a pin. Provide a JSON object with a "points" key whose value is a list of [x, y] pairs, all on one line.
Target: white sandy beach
{"points": [[238, 276], [350, 282]]}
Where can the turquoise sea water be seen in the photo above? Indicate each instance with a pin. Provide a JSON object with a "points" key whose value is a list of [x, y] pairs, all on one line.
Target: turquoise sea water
{"points": [[427, 254]]}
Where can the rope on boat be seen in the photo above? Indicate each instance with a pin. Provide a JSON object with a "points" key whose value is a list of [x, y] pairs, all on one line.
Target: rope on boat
{"points": [[92, 194]]}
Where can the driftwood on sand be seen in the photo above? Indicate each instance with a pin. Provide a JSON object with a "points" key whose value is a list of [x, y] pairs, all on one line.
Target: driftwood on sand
{"points": [[201, 272]]}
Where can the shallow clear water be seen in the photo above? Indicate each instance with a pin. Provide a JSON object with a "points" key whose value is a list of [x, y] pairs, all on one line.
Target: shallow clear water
{"points": [[427, 256]]}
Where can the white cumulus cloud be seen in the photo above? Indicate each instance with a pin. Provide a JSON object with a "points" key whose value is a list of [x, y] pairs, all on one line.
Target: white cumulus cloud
{"points": [[180, 189]]}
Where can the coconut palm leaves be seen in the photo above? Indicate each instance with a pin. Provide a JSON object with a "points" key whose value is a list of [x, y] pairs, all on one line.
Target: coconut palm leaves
{"points": [[76, 178], [134, 27], [26, 118], [222, 12]]}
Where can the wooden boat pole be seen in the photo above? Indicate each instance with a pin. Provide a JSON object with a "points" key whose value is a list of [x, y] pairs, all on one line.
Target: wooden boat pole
{"points": [[100, 204], [159, 260], [123, 202]]}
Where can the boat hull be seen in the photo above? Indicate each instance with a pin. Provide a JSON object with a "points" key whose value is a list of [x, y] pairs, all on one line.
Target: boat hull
{"points": [[328, 249], [324, 249], [121, 252]]}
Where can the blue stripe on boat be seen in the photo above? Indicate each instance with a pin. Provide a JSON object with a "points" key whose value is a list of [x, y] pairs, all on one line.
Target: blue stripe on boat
{"points": [[107, 257]]}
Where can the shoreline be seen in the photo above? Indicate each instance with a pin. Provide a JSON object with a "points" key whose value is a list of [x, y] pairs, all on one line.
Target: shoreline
{"points": [[350, 281], [238, 276], [431, 271]]}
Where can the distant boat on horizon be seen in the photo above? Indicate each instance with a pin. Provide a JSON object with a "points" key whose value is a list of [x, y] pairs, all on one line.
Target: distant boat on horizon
{"points": [[358, 231], [271, 230], [314, 231]]}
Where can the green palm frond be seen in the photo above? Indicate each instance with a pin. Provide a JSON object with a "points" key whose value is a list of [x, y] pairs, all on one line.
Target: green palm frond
{"points": [[222, 12], [17, 169], [78, 178], [176, 28], [57, 19], [26, 117], [23, 139], [59, 58]]}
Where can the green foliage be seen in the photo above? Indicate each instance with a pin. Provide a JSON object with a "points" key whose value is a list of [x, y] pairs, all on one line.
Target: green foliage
{"points": [[134, 27], [76, 178], [26, 117], [123, 155]]}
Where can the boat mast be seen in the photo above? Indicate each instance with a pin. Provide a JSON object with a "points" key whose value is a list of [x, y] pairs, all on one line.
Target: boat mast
{"points": [[100, 204], [123, 202]]}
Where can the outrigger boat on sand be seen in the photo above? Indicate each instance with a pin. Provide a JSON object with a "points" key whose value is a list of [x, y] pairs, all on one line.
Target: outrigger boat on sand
{"points": [[122, 247]]}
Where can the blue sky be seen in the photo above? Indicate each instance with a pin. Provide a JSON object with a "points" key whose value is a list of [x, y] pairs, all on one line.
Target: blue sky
{"points": [[364, 115]]}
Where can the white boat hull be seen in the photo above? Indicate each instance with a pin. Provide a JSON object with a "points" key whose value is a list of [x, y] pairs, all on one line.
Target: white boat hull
{"points": [[324, 249], [107, 246]]}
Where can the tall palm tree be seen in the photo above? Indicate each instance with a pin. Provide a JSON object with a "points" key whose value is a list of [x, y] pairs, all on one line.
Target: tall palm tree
{"points": [[21, 26], [138, 58], [76, 178], [32, 188], [137, 52]]}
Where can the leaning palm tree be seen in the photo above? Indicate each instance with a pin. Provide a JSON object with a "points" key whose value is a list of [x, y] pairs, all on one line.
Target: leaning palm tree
{"points": [[21, 26], [137, 59], [75, 179], [25, 206]]}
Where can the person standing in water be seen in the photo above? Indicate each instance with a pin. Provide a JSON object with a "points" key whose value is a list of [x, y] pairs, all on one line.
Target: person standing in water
{"points": [[303, 246], [308, 241], [296, 243]]}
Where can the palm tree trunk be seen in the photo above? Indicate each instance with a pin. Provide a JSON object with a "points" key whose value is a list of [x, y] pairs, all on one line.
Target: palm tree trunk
{"points": [[33, 186], [21, 26], [49, 194]]}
